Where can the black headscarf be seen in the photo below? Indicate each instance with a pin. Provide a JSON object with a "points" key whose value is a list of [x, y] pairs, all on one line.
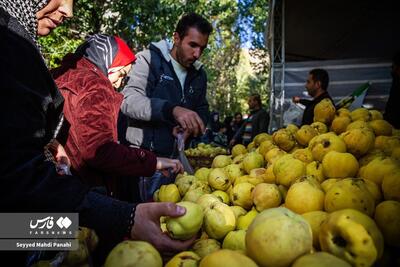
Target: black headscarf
{"points": [[99, 49], [24, 11]]}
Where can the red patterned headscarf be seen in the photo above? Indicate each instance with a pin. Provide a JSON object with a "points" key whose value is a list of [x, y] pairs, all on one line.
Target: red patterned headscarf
{"points": [[106, 52]]}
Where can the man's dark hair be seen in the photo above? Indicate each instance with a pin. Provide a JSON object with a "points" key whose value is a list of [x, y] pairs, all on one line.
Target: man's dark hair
{"points": [[257, 98], [193, 20], [322, 76]]}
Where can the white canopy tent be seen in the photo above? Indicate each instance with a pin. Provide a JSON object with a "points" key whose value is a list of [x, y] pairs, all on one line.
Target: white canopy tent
{"points": [[353, 40]]}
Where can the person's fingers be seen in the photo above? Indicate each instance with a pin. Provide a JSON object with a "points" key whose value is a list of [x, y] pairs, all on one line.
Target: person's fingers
{"points": [[166, 209], [200, 123], [182, 123], [178, 167], [165, 243], [190, 123]]}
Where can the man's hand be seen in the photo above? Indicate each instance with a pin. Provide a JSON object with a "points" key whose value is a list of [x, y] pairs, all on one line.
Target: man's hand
{"points": [[166, 163], [296, 99], [188, 120], [147, 226], [177, 129]]}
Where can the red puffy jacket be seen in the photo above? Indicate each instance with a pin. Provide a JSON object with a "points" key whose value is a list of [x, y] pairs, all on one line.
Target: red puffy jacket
{"points": [[91, 107]]}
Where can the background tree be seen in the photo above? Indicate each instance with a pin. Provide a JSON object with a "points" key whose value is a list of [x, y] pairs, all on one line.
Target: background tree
{"points": [[238, 25]]}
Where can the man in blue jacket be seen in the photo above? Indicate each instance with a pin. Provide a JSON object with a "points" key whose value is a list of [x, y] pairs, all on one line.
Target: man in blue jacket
{"points": [[167, 88]]}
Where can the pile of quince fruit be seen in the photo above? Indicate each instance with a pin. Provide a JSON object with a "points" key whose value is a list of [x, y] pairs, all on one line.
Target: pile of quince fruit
{"points": [[205, 150], [325, 194]]}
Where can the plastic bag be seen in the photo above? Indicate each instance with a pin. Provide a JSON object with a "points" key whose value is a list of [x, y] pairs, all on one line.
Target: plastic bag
{"points": [[293, 114]]}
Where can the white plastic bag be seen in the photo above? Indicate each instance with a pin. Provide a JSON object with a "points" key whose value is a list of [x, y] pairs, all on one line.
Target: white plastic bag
{"points": [[293, 114]]}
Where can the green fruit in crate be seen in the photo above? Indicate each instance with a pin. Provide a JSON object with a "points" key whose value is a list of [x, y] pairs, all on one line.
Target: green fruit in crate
{"points": [[203, 247], [241, 195], [257, 175], [202, 174], [292, 128], [349, 193], [315, 218], [235, 240], [228, 257], [322, 144], [79, 256], [278, 236], [206, 200], [324, 111], [375, 114], [239, 159], [184, 183], [339, 165], [305, 134], [238, 211], [253, 160], [387, 217], [320, 127], [233, 171], [133, 253], [200, 185], [266, 146], [274, 154], [218, 179], [319, 259], [358, 141], [266, 196], [259, 138], [184, 259], [287, 169], [89, 236], [223, 196], [284, 139], [219, 220], [186, 226], [238, 150], [376, 169], [352, 236], [221, 161], [193, 195], [305, 195], [339, 124], [304, 155], [314, 168], [360, 114], [244, 221], [169, 193]]}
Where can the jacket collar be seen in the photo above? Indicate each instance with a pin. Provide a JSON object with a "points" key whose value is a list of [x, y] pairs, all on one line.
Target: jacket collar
{"points": [[164, 47], [321, 96]]}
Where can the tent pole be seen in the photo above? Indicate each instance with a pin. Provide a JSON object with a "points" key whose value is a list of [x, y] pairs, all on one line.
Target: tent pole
{"points": [[277, 44]]}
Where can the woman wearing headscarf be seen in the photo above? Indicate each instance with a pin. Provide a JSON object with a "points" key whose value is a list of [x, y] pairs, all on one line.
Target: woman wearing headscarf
{"points": [[30, 108], [89, 80]]}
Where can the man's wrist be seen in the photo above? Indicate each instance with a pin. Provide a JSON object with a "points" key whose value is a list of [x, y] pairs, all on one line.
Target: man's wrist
{"points": [[168, 110], [131, 221]]}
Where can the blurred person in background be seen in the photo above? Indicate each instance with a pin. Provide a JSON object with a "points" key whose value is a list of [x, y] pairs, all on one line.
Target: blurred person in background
{"points": [[256, 123], [317, 87]]}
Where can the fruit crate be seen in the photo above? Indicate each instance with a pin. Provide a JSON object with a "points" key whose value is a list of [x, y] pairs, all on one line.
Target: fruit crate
{"points": [[198, 162]]}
